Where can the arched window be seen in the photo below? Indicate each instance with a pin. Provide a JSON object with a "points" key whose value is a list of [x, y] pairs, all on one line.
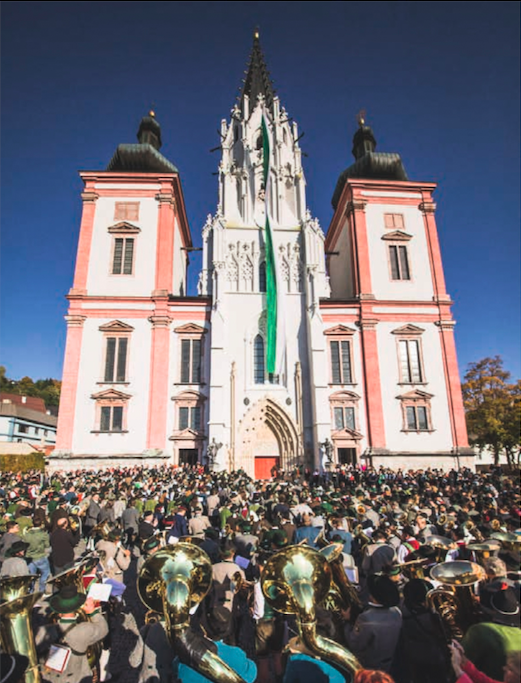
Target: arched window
{"points": [[258, 360], [262, 277]]}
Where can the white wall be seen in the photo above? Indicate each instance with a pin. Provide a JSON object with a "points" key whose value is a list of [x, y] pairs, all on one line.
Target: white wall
{"points": [[419, 287], [141, 282], [90, 378], [396, 439]]}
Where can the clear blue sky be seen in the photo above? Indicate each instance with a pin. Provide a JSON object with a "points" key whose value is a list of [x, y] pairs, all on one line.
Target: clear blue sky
{"points": [[439, 81]]}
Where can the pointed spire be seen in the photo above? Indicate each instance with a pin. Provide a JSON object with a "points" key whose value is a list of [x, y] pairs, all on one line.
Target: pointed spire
{"points": [[257, 81]]}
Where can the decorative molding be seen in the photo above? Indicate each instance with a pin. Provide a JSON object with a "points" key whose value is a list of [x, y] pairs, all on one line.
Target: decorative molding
{"points": [[415, 395], [408, 330], [75, 320], [116, 326], [124, 228], [397, 236], [343, 396], [111, 395], [89, 197], [189, 396], [191, 328], [427, 207], [355, 205], [368, 323], [159, 321], [339, 330], [367, 296], [165, 198], [446, 324], [338, 434]]}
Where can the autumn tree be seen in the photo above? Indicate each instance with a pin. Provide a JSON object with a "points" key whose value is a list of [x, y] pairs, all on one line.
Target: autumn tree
{"points": [[493, 408], [47, 389]]}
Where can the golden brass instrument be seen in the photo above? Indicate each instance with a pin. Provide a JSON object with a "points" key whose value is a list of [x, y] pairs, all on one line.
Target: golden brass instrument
{"points": [[484, 550], [454, 600], [474, 531], [414, 569], [172, 582], [75, 576], [342, 594], [102, 530], [509, 541], [441, 544], [13, 587], [293, 581], [363, 538], [16, 633]]}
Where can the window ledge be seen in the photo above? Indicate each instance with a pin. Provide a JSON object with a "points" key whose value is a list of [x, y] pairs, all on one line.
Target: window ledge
{"points": [[121, 383], [189, 384], [343, 384], [418, 431], [99, 431], [413, 384]]}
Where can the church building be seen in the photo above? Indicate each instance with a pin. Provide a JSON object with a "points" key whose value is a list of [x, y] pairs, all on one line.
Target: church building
{"points": [[300, 348]]}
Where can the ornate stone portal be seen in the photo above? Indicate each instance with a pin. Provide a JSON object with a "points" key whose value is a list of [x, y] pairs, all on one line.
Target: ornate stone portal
{"points": [[267, 433]]}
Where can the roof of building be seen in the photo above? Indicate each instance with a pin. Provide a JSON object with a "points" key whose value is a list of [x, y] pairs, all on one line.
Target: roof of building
{"points": [[257, 81], [23, 413], [369, 164], [143, 156], [32, 402]]}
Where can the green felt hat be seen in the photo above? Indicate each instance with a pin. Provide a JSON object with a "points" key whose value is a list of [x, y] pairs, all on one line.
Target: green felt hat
{"points": [[67, 600]]}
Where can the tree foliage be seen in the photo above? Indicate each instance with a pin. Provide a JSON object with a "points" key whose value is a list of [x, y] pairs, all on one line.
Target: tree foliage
{"points": [[47, 389], [493, 408]]}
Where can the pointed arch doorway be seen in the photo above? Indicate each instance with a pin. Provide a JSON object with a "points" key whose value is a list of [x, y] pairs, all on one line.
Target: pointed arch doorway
{"points": [[268, 440]]}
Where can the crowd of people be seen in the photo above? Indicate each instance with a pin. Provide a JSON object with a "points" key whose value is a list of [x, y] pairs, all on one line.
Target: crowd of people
{"points": [[428, 590]]}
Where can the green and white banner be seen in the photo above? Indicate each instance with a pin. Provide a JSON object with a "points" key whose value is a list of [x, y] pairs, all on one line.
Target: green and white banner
{"points": [[275, 328]]}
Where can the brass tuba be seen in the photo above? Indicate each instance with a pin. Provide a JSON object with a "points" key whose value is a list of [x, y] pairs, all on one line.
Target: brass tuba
{"points": [[16, 633], [293, 581], [342, 594], [454, 601], [13, 587], [171, 582]]}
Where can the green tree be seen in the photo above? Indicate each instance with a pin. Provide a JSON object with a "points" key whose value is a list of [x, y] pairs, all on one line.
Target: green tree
{"points": [[493, 406]]}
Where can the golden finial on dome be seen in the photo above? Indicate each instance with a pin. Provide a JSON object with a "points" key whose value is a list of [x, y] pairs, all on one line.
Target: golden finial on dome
{"points": [[361, 117]]}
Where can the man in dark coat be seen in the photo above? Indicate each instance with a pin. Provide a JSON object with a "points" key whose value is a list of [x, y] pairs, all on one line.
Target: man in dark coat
{"points": [[63, 543]]}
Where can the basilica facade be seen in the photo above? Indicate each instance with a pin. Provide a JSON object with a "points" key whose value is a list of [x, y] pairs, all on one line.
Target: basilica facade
{"points": [[366, 361]]}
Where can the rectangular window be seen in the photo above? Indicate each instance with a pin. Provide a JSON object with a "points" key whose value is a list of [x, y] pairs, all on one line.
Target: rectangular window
{"points": [[344, 418], [394, 221], [190, 361], [22, 429], [417, 418], [410, 361], [123, 261], [116, 359], [399, 263], [126, 211], [190, 417], [111, 419], [341, 362]]}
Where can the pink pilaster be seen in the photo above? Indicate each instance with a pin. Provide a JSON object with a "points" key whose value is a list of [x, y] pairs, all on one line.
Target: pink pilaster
{"points": [[373, 392], [356, 214], [428, 208], [165, 240], [159, 362], [71, 367], [452, 381], [89, 198]]}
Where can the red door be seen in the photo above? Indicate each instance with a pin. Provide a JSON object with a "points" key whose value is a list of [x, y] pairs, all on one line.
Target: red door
{"points": [[264, 464]]}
